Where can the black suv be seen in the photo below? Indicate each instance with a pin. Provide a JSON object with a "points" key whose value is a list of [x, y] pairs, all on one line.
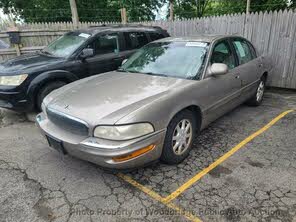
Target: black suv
{"points": [[27, 79]]}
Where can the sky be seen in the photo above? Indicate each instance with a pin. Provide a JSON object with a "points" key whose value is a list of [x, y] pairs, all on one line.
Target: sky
{"points": [[1, 13], [161, 14]]}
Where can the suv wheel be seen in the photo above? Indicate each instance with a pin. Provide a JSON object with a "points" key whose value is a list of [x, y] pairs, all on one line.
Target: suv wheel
{"points": [[45, 90], [179, 138]]}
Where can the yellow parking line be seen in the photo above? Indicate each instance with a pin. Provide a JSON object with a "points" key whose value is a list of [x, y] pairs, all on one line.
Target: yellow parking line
{"points": [[157, 197], [205, 171]]}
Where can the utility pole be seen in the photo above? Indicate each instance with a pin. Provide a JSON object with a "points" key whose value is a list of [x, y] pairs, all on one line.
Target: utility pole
{"points": [[248, 6], [171, 10], [75, 18]]}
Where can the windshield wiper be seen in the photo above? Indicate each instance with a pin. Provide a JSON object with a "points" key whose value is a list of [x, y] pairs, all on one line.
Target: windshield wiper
{"points": [[45, 52], [121, 70], [124, 70], [154, 74], [147, 73]]}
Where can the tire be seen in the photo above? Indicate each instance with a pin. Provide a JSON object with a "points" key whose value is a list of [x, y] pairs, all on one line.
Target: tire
{"points": [[45, 90], [174, 156], [257, 98]]}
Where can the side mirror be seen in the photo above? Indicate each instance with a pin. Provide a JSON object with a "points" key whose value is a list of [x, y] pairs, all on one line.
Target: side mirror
{"points": [[124, 61], [86, 53], [217, 69]]}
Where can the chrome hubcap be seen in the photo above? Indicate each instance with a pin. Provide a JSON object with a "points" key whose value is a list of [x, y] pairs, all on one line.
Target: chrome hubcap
{"points": [[260, 91], [182, 137]]}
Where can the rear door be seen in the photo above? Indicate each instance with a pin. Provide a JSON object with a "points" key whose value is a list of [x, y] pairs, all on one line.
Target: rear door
{"points": [[155, 36], [223, 92], [249, 66]]}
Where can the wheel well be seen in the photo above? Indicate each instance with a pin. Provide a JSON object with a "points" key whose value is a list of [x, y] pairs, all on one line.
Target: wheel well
{"points": [[197, 113]]}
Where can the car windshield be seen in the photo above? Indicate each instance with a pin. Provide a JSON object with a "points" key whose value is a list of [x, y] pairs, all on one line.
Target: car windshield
{"points": [[174, 59], [3, 45], [66, 45]]}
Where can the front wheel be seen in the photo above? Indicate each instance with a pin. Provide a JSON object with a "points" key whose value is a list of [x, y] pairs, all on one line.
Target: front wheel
{"points": [[179, 138], [257, 99], [45, 90]]}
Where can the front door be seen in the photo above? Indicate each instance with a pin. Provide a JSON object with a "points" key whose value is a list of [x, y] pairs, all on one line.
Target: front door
{"points": [[107, 56], [223, 90]]}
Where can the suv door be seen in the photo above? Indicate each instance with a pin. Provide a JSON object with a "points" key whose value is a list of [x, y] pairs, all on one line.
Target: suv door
{"points": [[133, 41], [224, 90], [249, 66], [107, 54], [155, 36]]}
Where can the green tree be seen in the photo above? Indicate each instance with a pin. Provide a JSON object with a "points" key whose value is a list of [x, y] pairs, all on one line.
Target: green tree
{"points": [[190, 8], [142, 10], [38, 10], [90, 10], [199, 8]]}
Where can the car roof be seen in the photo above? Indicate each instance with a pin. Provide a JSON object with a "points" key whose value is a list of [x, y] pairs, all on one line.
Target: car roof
{"points": [[197, 38], [93, 30]]}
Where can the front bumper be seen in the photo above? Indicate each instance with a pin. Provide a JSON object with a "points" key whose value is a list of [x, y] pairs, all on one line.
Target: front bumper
{"points": [[14, 100], [100, 151]]}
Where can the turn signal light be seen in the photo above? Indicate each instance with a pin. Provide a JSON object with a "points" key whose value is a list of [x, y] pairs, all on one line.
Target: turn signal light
{"points": [[134, 154]]}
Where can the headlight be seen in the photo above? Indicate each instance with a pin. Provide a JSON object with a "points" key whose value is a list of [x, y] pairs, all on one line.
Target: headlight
{"points": [[12, 80], [123, 132]]}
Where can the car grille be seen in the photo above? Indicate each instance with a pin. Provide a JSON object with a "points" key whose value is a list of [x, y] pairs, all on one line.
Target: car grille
{"points": [[68, 123]]}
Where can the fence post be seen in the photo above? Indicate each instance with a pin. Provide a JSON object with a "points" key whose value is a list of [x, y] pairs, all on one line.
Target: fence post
{"points": [[171, 10], [123, 16], [75, 18], [248, 6]]}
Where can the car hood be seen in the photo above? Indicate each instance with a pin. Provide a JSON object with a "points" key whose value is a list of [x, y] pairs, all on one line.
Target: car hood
{"points": [[24, 63], [106, 98]]}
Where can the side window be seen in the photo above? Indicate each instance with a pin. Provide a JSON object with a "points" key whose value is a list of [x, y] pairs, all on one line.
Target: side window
{"points": [[243, 51], [223, 54], [135, 40], [154, 36], [106, 44], [253, 51]]}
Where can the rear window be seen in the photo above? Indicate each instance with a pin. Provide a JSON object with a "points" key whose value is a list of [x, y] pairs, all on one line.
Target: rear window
{"points": [[135, 40]]}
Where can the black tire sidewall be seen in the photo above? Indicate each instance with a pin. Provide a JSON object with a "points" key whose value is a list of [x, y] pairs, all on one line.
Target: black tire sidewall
{"points": [[45, 90], [168, 156]]}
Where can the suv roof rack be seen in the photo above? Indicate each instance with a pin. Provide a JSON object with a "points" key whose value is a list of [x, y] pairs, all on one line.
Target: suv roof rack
{"points": [[123, 25]]}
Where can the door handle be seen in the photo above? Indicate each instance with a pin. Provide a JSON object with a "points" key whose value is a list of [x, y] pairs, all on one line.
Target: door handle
{"points": [[237, 76], [260, 65]]}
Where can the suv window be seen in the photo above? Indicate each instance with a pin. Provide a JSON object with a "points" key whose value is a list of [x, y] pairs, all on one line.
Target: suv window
{"points": [[223, 54], [135, 40], [243, 51], [154, 36], [106, 44]]}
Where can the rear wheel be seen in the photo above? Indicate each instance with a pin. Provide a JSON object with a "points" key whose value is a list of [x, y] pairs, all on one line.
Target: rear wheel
{"points": [[179, 138], [257, 99], [45, 90]]}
